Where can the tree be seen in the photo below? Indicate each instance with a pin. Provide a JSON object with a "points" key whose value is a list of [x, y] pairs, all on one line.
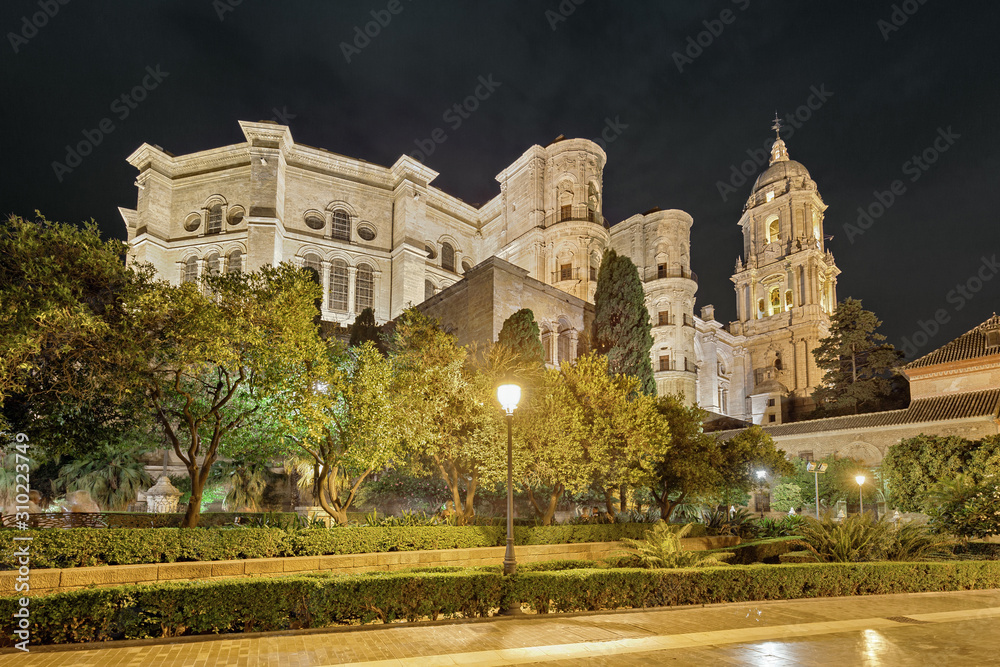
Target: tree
{"points": [[621, 430], [366, 329], [210, 366], [856, 361], [750, 450], [339, 410], [691, 465], [622, 328], [449, 408], [64, 293], [520, 333], [914, 465]]}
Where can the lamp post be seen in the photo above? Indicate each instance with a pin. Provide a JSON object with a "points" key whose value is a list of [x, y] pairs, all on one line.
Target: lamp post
{"points": [[509, 395], [860, 479], [761, 475]]}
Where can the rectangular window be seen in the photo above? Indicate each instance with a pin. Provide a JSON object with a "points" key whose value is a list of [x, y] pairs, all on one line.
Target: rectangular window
{"points": [[770, 418], [338, 289], [593, 273], [663, 318], [566, 272], [806, 455], [214, 219], [565, 212], [770, 402], [664, 362], [661, 270]]}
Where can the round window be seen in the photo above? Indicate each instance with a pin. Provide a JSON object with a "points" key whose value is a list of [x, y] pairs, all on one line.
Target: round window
{"points": [[431, 253], [235, 216], [315, 222], [193, 223], [366, 233]]}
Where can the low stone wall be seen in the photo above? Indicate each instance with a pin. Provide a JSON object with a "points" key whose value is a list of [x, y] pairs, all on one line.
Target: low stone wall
{"points": [[45, 581]]}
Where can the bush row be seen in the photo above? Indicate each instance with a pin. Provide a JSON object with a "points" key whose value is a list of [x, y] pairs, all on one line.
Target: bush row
{"points": [[321, 600], [78, 547]]}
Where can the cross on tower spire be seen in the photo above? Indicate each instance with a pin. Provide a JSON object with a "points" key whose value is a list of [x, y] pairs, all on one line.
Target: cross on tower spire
{"points": [[776, 126], [778, 151]]}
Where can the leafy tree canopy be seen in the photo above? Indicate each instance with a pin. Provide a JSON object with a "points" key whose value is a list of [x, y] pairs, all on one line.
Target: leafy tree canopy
{"points": [[914, 465], [520, 333]]}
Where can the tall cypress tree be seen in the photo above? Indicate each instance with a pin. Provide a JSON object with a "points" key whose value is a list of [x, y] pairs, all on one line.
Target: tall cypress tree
{"points": [[521, 334], [622, 328], [365, 328]]}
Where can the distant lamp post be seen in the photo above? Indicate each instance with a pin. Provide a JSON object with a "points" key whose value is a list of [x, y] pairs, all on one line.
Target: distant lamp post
{"points": [[761, 476], [509, 395], [860, 479]]}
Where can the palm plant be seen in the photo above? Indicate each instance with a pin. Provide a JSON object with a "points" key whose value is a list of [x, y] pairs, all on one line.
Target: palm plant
{"points": [[861, 538], [662, 549], [244, 483], [113, 477]]}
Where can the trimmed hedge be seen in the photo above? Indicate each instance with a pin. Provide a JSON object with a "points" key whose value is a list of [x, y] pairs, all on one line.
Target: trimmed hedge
{"points": [[311, 601], [80, 547]]}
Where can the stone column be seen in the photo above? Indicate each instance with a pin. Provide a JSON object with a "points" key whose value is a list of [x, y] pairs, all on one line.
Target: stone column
{"points": [[352, 275], [325, 279]]}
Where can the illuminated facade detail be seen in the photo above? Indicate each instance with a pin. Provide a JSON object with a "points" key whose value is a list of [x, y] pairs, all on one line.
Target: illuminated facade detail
{"points": [[384, 237]]}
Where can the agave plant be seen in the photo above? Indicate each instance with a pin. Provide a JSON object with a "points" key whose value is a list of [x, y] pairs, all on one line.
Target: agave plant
{"points": [[662, 549]]}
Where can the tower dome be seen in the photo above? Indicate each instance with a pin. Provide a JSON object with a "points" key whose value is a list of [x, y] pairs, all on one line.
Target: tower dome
{"points": [[782, 175]]}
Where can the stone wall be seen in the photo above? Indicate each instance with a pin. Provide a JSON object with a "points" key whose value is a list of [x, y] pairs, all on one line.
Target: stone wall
{"points": [[54, 580]]}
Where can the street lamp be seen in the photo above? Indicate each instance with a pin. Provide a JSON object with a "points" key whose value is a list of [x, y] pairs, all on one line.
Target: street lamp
{"points": [[860, 479], [509, 395], [761, 474]]}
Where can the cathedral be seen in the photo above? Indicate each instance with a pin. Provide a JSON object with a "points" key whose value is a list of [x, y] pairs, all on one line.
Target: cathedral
{"points": [[385, 238]]}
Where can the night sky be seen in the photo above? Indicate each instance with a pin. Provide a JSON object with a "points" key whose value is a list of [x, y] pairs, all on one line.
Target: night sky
{"points": [[683, 90]]}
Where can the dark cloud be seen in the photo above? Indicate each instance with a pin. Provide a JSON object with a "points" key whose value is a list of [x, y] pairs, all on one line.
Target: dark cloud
{"points": [[685, 129]]}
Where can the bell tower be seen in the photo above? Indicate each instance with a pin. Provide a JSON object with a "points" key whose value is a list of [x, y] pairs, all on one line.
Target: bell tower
{"points": [[786, 286]]}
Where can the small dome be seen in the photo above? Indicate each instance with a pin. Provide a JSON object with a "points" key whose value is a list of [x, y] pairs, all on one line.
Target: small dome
{"points": [[771, 386], [780, 171]]}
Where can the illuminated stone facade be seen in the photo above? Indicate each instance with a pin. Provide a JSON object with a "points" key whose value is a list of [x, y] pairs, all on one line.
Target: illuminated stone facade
{"points": [[385, 237]]}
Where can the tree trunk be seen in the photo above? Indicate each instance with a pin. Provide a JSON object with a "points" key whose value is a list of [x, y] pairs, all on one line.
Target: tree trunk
{"points": [[550, 510], [622, 502], [609, 504]]}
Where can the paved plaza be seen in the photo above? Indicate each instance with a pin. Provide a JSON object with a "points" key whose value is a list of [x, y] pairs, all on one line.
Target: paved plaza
{"points": [[957, 628]]}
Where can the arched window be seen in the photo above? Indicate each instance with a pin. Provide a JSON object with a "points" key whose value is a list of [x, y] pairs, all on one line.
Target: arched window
{"points": [[364, 288], [447, 257], [466, 266], [774, 301], [190, 274], [429, 289], [341, 225], [564, 346], [774, 231], [431, 254], [338, 286], [314, 264], [214, 219], [235, 264], [212, 265]]}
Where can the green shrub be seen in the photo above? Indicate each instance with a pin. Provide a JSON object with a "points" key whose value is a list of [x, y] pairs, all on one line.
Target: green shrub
{"points": [[965, 509], [662, 548], [322, 600], [861, 538], [79, 547], [785, 497], [764, 551]]}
